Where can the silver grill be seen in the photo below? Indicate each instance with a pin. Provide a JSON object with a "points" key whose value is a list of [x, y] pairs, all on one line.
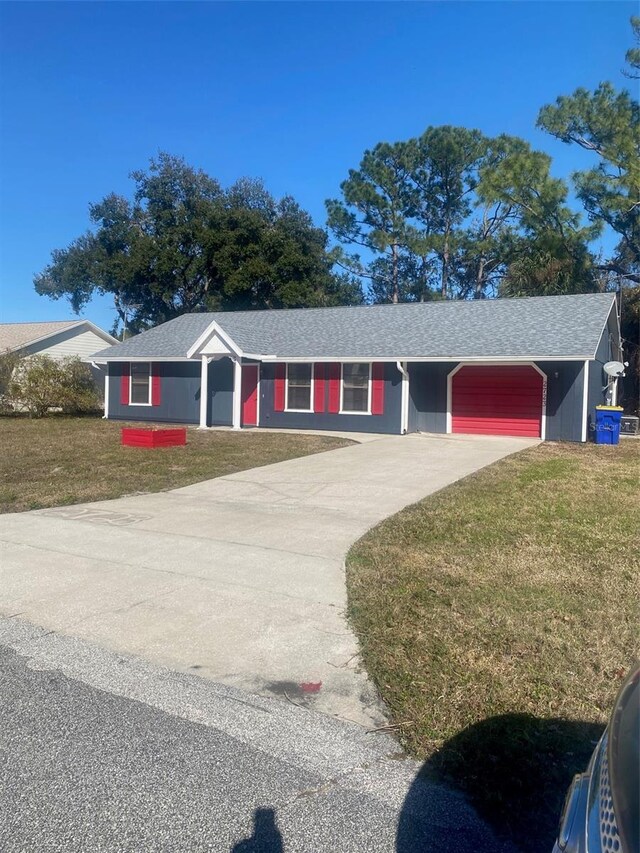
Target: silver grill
{"points": [[609, 838]]}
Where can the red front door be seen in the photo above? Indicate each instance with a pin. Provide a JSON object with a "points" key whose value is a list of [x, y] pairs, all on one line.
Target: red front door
{"points": [[249, 395]]}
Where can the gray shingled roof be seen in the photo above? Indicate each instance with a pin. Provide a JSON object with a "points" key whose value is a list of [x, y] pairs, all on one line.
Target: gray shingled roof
{"points": [[538, 327]]}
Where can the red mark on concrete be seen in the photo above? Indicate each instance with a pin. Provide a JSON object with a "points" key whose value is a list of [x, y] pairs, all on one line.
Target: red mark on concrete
{"points": [[311, 686]]}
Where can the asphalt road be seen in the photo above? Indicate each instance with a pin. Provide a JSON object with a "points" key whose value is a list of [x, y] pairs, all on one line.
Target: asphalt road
{"points": [[101, 752]]}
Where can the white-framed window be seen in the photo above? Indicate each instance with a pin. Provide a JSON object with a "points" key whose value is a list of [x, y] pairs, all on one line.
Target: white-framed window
{"points": [[140, 384], [299, 388], [355, 396]]}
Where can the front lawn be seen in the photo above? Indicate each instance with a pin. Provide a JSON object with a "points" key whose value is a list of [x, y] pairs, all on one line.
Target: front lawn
{"points": [[62, 460], [498, 618]]}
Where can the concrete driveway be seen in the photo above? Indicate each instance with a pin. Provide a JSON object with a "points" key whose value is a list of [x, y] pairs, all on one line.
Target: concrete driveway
{"points": [[239, 579]]}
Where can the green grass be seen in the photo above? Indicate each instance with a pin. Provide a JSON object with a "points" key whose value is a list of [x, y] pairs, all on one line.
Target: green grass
{"points": [[62, 460], [497, 619]]}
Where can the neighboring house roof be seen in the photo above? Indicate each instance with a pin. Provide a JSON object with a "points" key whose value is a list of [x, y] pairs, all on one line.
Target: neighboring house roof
{"points": [[537, 327], [17, 336]]}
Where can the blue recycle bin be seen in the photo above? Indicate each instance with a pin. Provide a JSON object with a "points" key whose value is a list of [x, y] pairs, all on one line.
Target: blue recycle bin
{"points": [[607, 426]]}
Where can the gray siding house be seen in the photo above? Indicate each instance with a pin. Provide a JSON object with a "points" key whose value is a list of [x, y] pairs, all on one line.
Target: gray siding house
{"points": [[530, 367]]}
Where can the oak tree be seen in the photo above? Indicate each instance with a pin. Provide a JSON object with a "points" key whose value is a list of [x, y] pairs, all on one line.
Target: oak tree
{"points": [[184, 244]]}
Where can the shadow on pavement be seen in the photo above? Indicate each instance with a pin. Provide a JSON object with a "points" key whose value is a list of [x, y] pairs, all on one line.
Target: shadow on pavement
{"points": [[514, 769], [266, 836]]}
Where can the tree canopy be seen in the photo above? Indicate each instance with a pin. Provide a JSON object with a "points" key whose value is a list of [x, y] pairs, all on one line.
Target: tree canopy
{"points": [[607, 123], [632, 56], [456, 214], [183, 243], [453, 213]]}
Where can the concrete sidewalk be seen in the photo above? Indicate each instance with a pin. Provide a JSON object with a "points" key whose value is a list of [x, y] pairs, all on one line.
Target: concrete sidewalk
{"points": [[239, 579]]}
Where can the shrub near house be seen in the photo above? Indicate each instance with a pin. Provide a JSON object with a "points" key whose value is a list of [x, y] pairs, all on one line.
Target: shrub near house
{"points": [[40, 383], [8, 363]]}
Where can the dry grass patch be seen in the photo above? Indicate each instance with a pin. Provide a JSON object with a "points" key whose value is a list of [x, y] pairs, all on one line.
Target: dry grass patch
{"points": [[64, 460], [497, 618]]}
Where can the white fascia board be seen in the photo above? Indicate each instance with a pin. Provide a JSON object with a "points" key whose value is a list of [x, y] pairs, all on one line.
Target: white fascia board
{"points": [[129, 358], [525, 359], [614, 306], [100, 332], [74, 324], [213, 329], [354, 358]]}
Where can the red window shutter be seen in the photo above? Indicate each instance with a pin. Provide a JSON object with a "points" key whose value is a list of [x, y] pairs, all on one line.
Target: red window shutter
{"points": [[318, 387], [278, 388], [334, 388], [124, 385], [377, 388], [155, 385]]}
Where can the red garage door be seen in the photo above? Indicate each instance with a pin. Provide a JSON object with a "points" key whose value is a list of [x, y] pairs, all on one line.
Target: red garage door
{"points": [[497, 401]]}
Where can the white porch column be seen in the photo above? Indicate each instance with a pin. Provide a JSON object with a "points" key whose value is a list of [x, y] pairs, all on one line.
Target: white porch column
{"points": [[237, 393], [106, 394], [204, 390], [585, 400], [404, 397]]}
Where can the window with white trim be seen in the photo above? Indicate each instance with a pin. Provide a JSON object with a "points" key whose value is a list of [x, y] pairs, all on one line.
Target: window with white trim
{"points": [[298, 388], [355, 388], [140, 384]]}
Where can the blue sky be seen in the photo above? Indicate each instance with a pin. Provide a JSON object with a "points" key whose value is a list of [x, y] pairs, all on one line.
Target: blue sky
{"points": [[290, 92]]}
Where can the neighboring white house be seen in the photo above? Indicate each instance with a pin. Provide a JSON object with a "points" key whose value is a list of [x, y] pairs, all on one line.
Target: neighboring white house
{"points": [[58, 339]]}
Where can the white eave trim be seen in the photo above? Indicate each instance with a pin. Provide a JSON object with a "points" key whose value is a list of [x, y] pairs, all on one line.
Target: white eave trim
{"points": [[613, 307], [129, 358], [106, 337], [213, 329], [100, 332], [355, 358], [480, 359]]}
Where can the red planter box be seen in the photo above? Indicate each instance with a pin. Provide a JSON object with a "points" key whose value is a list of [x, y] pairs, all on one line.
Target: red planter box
{"points": [[153, 437]]}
